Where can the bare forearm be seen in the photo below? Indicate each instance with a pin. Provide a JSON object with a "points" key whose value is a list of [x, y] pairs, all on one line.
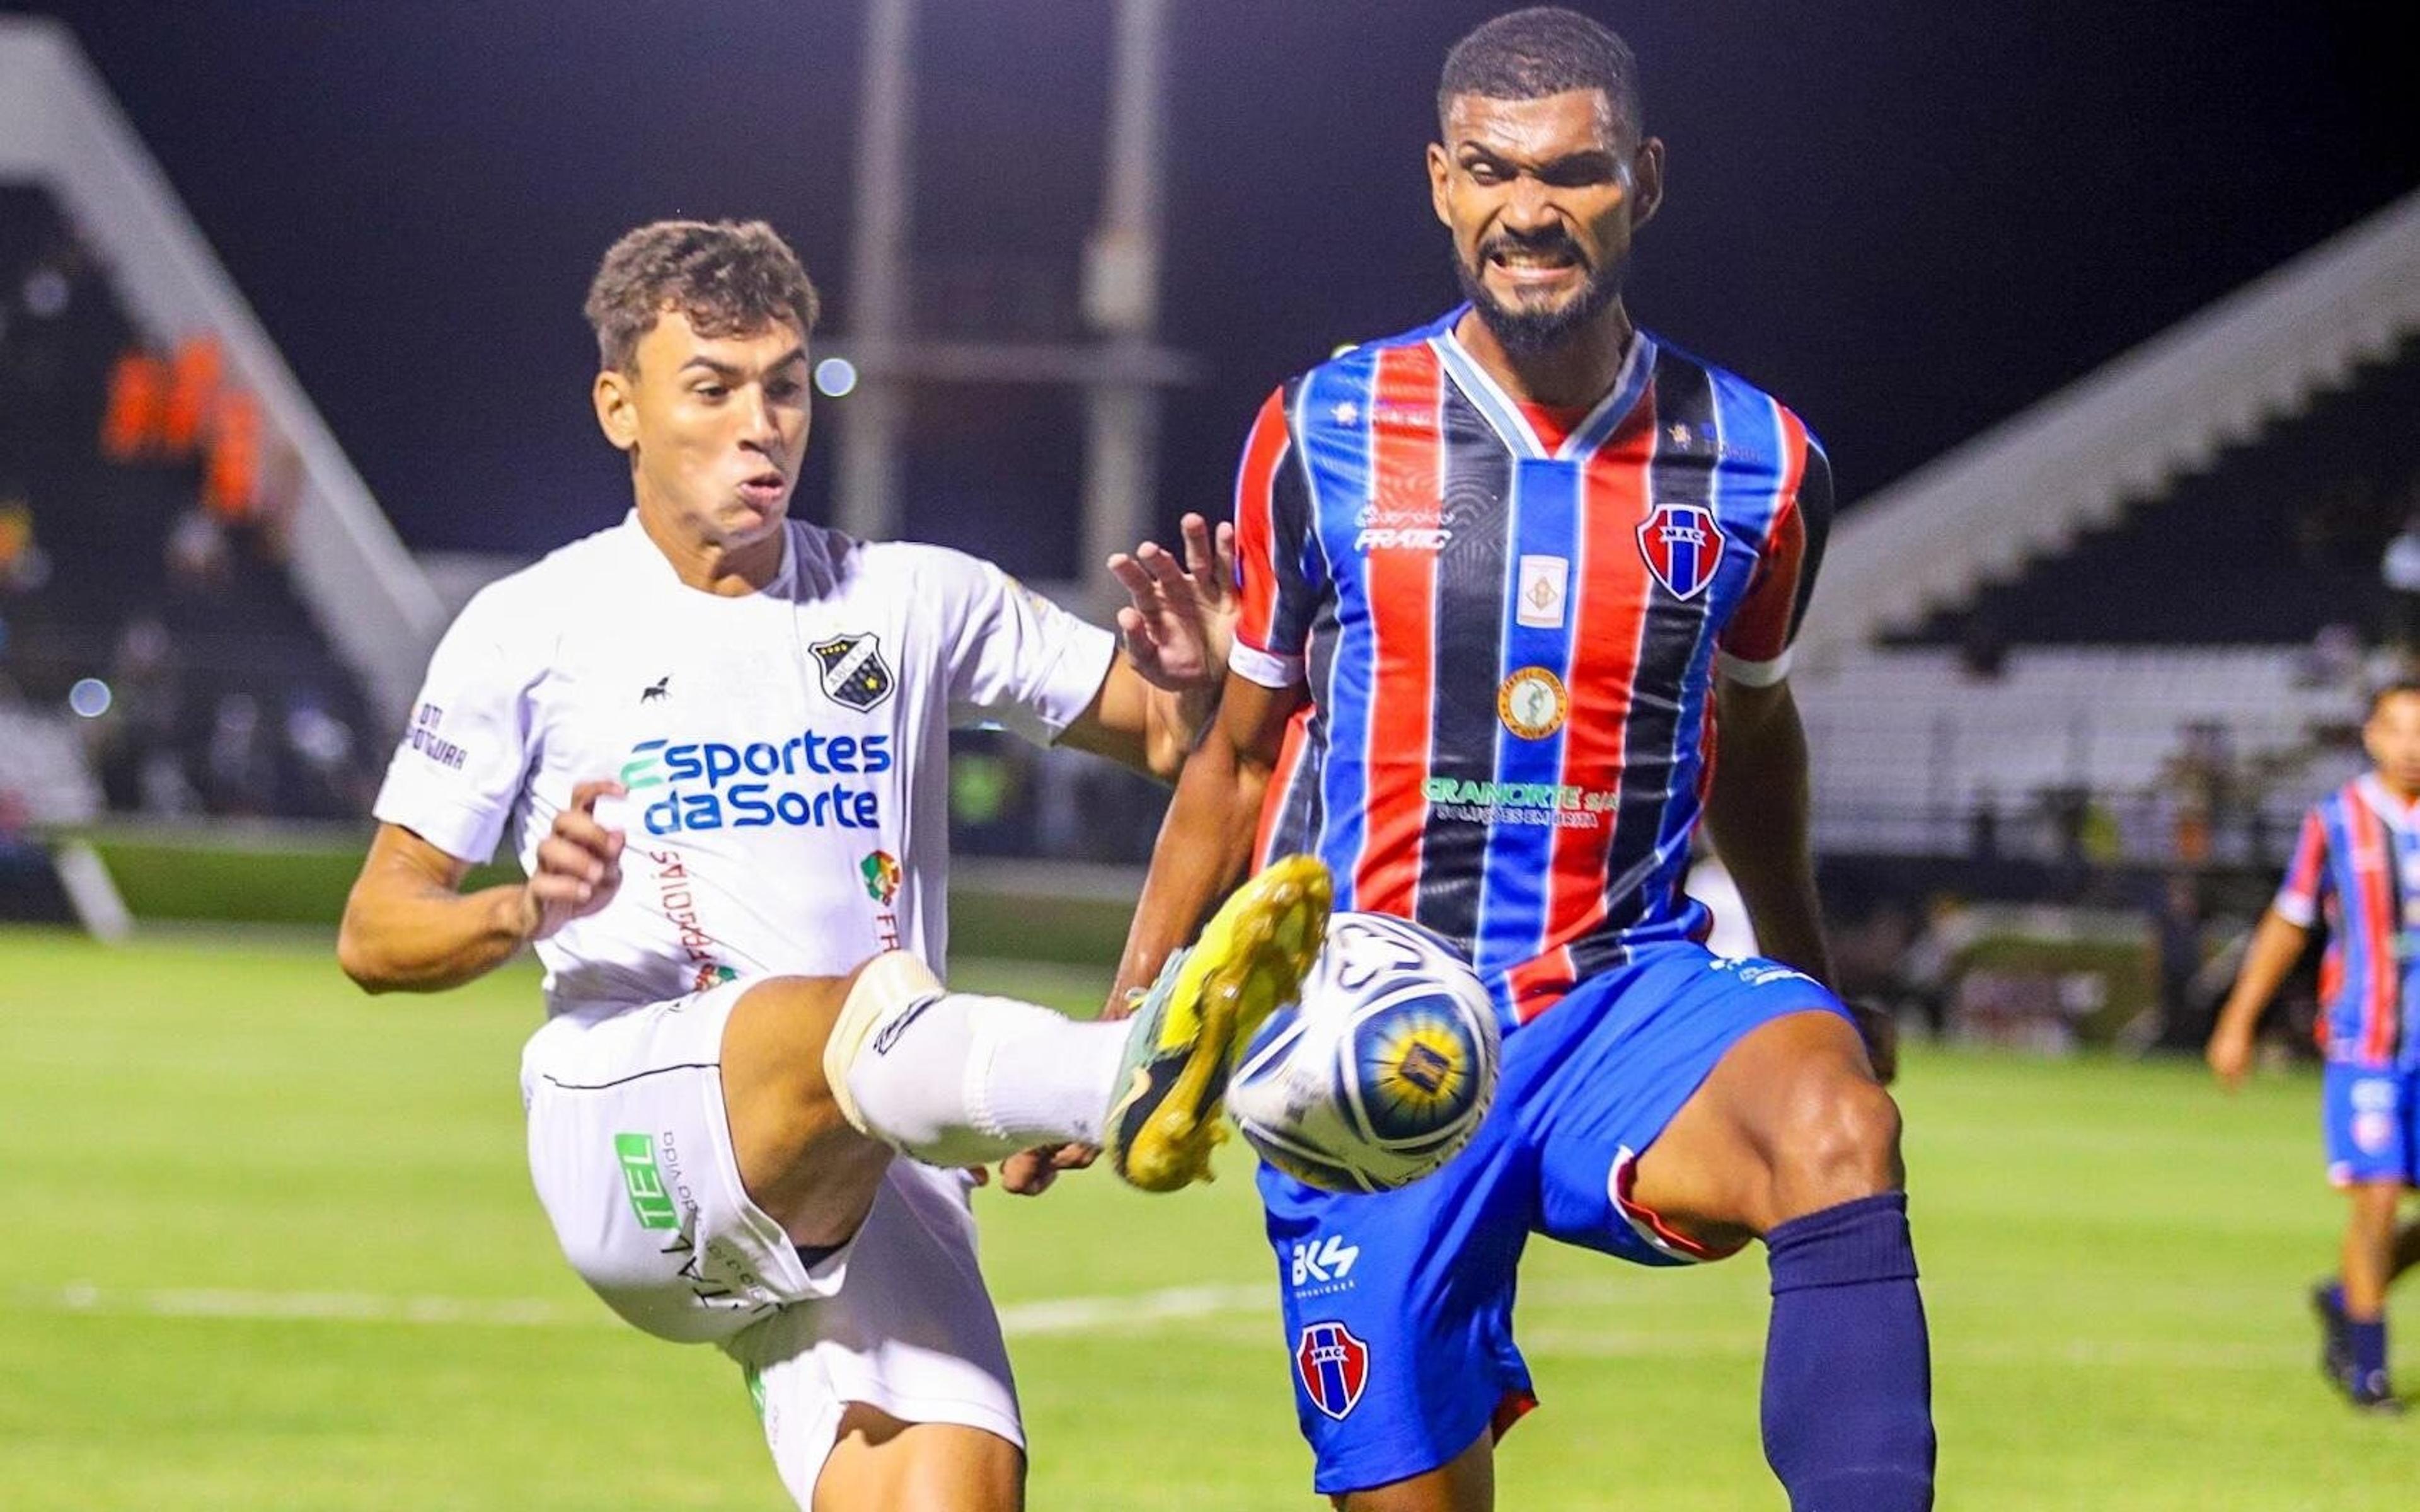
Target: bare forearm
{"points": [[400, 937], [1204, 847], [2276, 945], [1758, 817], [1177, 720]]}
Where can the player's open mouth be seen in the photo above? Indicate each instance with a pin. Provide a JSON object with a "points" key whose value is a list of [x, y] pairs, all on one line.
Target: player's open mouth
{"points": [[764, 490]]}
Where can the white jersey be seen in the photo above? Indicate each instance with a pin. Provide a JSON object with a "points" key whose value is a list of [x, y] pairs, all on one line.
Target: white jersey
{"points": [[786, 751]]}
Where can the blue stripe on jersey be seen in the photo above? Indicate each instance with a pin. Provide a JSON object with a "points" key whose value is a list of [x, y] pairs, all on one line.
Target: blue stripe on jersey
{"points": [[1545, 521], [1332, 426]]}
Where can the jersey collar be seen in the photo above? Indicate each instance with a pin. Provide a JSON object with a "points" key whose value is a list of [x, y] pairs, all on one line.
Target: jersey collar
{"points": [[1503, 414], [2397, 813], [656, 568]]}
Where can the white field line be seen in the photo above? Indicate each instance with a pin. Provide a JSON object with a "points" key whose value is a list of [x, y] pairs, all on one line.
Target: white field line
{"points": [[1095, 1314], [1064, 1315]]}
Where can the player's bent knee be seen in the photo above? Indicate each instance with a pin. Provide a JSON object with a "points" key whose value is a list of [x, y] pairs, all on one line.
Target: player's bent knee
{"points": [[1836, 1139]]}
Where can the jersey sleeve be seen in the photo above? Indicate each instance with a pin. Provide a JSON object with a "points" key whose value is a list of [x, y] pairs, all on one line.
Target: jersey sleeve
{"points": [[1754, 645], [1277, 557], [2307, 876], [1014, 658], [458, 773]]}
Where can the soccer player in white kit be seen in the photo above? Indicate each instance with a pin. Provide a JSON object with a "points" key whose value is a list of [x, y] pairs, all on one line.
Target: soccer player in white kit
{"points": [[719, 740]]}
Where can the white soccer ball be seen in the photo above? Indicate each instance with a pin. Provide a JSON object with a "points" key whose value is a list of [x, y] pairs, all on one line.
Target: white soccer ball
{"points": [[1383, 1071]]}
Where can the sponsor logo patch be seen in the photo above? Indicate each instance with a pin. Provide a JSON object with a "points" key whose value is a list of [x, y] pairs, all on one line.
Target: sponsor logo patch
{"points": [[1543, 584], [644, 1183], [1532, 703], [1322, 1260], [882, 874], [2373, 1134]]}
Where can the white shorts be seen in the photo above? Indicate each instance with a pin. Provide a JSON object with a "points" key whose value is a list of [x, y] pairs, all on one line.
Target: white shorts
{"points": [[630, 1153]]}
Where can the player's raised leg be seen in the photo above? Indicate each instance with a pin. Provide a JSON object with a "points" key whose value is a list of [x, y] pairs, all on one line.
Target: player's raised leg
{"points": [[956, 1079], [1791, 1140]]}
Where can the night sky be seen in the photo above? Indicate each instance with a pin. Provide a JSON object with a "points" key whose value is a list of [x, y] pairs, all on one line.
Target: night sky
{"points": [[1907, 219]]}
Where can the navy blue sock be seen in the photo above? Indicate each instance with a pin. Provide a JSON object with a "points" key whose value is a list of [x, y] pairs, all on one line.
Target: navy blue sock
{"points": [[2368, 1344], [1848, 1373]]}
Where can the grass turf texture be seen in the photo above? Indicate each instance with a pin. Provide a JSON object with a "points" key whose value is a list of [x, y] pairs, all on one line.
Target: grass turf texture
{"points": [[196, 1134]]}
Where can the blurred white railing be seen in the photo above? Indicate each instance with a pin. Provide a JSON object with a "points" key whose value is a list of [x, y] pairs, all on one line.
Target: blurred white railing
{"points": [[1907, 748], [59, 128], [2027, 486]]}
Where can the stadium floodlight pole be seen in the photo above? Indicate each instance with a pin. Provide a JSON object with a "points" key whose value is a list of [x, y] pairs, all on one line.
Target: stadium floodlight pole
{"points": [[873, 419], [1122, 290]]}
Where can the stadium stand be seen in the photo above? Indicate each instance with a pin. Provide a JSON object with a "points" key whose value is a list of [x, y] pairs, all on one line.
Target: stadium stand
{"points": [[221, 698], [2132, 625]]}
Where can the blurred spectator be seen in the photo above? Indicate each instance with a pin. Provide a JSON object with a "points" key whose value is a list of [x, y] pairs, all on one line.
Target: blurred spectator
{"points": [[197, 553], [1982, 650], [2399, 569], [2334, 658], [23, 566], [242, 772], [2177, 942]]}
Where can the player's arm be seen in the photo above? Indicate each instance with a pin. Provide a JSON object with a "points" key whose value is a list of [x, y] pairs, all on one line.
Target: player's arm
{"points": [[1162, 688], [1205, 843], [2276, 945], [1757, 815], [409, 926]]}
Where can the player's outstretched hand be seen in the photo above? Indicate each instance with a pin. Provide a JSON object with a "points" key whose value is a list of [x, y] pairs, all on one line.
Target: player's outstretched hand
{"points": [[579, 864], [1182, 618], [1029, 1172], [2229, 1055]]}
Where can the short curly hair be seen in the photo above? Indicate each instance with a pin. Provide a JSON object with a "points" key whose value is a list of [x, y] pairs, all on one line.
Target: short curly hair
{"points": [[729, 277], [1546, 50]]}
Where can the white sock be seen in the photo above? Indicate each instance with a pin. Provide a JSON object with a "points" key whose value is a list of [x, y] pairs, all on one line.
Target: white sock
{"points": [[963, 1080]]}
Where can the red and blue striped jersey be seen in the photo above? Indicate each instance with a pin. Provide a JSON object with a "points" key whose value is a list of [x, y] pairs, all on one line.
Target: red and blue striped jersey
{"points": [[2357, 860], [1510, 640]]}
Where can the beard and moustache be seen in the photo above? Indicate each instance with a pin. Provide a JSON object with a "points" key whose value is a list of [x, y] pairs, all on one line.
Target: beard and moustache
{"points": [[1529, 333]]}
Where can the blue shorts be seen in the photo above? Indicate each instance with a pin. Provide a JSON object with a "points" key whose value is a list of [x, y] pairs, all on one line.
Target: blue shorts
{"points": [[2372, 1118], [1398, 1306]]}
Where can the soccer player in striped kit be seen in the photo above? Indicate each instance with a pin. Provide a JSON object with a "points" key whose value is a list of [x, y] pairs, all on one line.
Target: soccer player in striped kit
{"points": [[2357, 861], [1505, 576]]}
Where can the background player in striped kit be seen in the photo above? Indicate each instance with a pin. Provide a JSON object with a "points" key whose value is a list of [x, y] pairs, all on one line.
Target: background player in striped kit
{"points": [[1504, 576], [2357, 861]]}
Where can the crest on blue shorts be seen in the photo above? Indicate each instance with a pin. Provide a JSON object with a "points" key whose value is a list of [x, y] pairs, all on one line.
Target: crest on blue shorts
{"points": [[1333, 1366], [1683, 546]]}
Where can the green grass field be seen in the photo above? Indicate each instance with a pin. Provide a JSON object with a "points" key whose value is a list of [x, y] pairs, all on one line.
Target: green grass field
{"points": [[270, 1245]]}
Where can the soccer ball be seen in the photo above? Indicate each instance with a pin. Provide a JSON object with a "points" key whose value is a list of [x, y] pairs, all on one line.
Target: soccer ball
{"points": [[1381, 1073]]}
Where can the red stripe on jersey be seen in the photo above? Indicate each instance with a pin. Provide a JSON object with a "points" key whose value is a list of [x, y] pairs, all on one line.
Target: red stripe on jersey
{"points": [[2371, 856], [2310, 849], [1609, 598], [1256, 476], [1407, 493], [1759, 628]]}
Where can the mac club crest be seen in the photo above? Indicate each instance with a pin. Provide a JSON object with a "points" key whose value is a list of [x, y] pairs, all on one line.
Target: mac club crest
{"points": [[1333, 1366], [1683, 546]]}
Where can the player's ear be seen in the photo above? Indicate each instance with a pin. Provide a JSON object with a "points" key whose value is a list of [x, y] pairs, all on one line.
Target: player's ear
{"points": [[618, 409], [1440, 175], [1646, 181]]}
